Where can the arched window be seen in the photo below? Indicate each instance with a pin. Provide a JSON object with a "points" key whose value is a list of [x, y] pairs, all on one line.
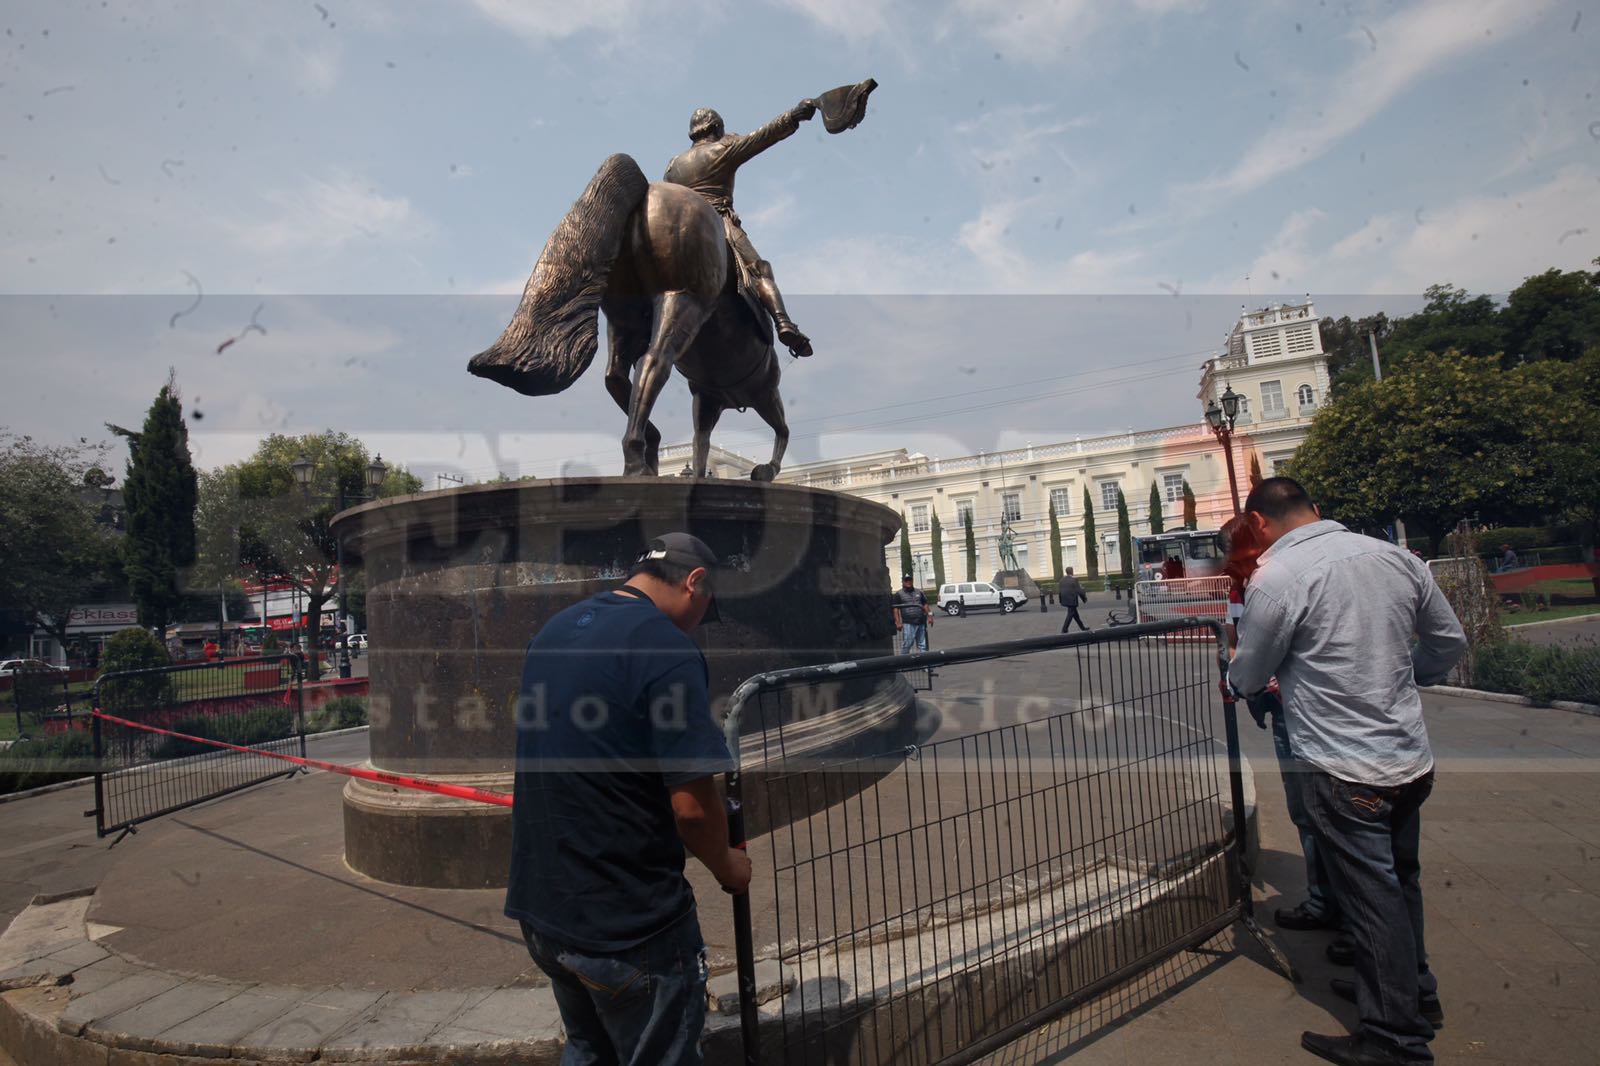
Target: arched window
{"points": [[1305, 395]]}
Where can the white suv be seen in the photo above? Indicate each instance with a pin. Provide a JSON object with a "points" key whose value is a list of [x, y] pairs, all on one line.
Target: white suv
{"points": [[979, 595]]}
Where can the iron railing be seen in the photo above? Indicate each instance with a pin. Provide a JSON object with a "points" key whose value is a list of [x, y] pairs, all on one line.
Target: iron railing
{"points": [[990, 859], [144, 773]]}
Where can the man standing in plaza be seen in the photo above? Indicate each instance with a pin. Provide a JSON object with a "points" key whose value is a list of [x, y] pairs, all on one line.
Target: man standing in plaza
{"points": [[616, 757], [911, 617], [1072, 594], [1332, 613]]}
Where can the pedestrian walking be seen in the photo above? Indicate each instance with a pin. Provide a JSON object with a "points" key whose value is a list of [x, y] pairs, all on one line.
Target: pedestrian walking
{"points": [[1070, 593], [911, 616], [616, 757], [1333, 613]]}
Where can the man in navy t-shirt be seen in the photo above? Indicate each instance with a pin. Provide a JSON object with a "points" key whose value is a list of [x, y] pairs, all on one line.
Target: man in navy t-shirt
{"points": [[616, 757]]}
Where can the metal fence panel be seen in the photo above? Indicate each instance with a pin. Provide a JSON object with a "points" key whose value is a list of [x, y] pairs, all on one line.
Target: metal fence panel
{"points": [[927, 901], [1183, 598], [140, 775]]}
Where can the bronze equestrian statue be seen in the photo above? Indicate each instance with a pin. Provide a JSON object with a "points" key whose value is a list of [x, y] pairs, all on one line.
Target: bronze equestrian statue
{"points": [[664, 261]]}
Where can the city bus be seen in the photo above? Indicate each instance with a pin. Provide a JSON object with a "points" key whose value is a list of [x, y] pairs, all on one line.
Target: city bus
{"points": [[1199, 551]]}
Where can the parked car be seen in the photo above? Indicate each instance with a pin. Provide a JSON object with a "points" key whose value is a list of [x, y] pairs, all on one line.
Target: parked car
{"points": [[979, 596], [358, 641], [12, 667]]}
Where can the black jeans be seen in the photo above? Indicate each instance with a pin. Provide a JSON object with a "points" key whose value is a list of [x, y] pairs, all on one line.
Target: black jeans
{"points": [[645, 1006], [1072, 616], [1371, 835]]}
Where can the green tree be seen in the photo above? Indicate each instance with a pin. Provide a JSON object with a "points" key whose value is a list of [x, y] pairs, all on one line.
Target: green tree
{"points": [[1441, 439], [135, 649], [53, 552], [1158, 521], [1190, 521], [1055, 541], [906, 566], [160, 493], [1554, 315], [1091, 547], [1345, 341], [283, 530], [1567, 439], [972, 547], [1124, 536], [1255, 470], [1450, 320], [937, 534]]}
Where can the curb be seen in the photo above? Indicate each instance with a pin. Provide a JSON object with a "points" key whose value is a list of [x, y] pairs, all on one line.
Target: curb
{"points": [[1555, 621], [61, 786], [1507, 697]]}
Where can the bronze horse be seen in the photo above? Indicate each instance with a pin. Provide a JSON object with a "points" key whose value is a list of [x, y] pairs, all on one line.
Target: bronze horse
{"points": [[654, 257]]}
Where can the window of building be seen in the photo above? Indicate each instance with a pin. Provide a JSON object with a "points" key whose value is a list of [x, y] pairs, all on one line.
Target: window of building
{"points": [[1271, 398], [1172, 486], [1011, 506], [1266, 345], [1301, 339], [964, 513], [1108, 495], [1069, 551], [1307, 397], [919, 518], [1061, 500]]}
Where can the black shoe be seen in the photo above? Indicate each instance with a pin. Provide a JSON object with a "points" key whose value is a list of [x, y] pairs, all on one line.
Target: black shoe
{"points": [[1302, 918], [1429, 1006], [1356, 1051], [1342, 952]]}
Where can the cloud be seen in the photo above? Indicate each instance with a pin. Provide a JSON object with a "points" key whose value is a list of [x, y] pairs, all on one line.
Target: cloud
{"points": [[1402, 50], [540, 21], [847, 18], [1481, 242], [327, 213]]}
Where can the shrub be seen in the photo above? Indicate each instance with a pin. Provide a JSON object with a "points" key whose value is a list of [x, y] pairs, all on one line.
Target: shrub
{"points": [[256, 726], [1543, 673], [135, 649], [346, 712], [46, 761]]}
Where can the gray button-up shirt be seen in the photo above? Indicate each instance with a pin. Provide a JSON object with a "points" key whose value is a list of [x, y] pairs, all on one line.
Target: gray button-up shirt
{"points": [[1332, 614]]}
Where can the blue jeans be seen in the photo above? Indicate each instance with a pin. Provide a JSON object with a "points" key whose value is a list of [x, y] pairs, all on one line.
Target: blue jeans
{"points": [[645, 1006], [913, 633], [1370, 836], [1320, 898]]}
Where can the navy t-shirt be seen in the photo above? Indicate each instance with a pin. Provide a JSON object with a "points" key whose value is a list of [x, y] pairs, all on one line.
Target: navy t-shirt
{"points": [[613, 712]]}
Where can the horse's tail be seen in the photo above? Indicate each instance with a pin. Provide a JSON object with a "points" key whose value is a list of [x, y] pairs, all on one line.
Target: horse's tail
{"points": [[554, 334]]}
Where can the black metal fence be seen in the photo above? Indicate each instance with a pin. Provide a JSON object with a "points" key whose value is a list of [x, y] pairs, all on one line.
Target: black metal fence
{"points": [[43, 699], [995, 854], [143, 773]]}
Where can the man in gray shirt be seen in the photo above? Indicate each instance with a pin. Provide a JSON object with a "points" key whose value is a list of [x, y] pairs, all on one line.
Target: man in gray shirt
{"points": [[1332, 613]]}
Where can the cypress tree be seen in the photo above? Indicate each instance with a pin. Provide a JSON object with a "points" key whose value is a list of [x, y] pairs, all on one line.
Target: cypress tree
{"points": [[972, 549], [938, 552], [905, 547], [1055, 541], [1091, 550], [1189, 519], [1158, 521], [1255, 469], [1124, 536], [160, 493]]}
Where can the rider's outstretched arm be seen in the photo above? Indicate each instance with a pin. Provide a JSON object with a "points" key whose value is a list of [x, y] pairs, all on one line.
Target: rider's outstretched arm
{"points": [[752, 144]]}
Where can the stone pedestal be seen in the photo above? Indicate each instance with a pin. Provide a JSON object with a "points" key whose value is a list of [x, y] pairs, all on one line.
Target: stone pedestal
{"points": [[459, 581]]}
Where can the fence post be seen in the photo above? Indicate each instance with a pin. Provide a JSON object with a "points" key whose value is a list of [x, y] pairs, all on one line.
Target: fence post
{"points": [[98, 747], [743, 935]]}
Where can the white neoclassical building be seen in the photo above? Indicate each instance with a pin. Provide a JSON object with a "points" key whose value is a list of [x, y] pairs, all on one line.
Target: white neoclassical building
{"points": [[1274, 361]]}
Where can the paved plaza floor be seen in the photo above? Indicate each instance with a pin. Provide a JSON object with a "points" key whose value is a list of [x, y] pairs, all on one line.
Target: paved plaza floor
{"points": [[1511, 868]]}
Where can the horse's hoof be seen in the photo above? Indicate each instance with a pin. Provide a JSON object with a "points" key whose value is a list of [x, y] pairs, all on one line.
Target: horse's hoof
{"points": [[764, 472]]}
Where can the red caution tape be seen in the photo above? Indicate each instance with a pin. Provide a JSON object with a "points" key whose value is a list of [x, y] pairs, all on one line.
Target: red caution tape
{"points": [[477, 795]]}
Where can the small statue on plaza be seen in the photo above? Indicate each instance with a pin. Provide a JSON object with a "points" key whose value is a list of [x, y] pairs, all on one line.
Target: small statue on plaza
{"points": [[1008, 548], [680, 284]]}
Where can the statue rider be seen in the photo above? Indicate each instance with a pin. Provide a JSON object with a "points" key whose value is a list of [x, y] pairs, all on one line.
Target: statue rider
{"points": [[708, 168]]}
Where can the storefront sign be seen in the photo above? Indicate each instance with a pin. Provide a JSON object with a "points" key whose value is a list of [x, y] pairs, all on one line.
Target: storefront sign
{"points": [[105, 614]]}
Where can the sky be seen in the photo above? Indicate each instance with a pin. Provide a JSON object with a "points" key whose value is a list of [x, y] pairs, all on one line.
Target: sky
{"points": [[316, 213]]}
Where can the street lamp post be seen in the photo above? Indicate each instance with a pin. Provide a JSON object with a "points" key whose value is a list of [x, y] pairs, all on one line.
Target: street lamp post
{"points": [[1221, 421], [303, 469]]}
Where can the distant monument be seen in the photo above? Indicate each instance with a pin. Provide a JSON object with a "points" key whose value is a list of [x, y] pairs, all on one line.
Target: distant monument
{"points": [[1013, 575]]}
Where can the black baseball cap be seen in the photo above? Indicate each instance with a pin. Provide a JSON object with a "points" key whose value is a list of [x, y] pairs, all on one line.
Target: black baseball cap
{"points": [[686, 550], [905, 577]]}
